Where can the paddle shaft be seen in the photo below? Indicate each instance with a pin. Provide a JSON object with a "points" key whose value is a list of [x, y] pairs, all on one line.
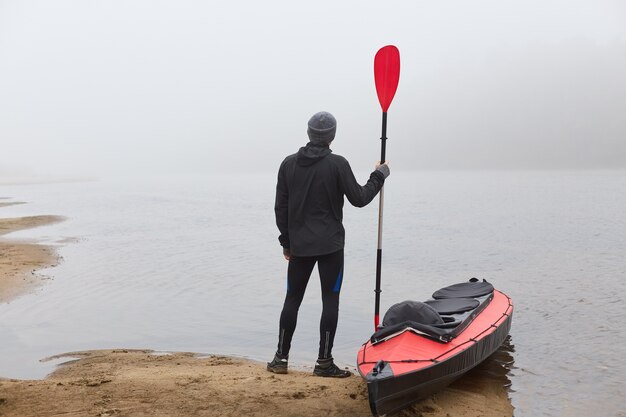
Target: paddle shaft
{"points": [[381, 202]]}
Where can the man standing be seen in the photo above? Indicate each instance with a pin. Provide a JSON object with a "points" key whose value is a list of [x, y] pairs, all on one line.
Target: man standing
{"points": [[309, 213]]}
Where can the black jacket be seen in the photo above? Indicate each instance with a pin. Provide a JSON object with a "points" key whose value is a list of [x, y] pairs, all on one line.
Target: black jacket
{"points": [[309, 199]]}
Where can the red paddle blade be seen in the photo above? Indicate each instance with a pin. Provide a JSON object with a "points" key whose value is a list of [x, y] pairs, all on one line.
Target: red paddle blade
{"points": [[386, 74]]}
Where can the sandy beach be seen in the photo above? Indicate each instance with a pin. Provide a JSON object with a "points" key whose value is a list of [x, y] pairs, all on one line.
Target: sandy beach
{"points": [[20, 259], [141, 383], [124, 382]]}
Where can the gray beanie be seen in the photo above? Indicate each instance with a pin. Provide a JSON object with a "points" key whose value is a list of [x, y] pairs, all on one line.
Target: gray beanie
{"points": [[322, 127]]}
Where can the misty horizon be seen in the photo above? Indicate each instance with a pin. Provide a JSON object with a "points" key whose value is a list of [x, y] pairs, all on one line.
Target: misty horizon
{"points": [[94, 89]]}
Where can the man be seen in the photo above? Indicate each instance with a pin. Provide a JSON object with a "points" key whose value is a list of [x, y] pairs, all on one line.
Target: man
{"points": [[309, 213]]}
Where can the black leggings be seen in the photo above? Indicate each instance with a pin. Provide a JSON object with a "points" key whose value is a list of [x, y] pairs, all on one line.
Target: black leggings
{"points": [[298, 273]]}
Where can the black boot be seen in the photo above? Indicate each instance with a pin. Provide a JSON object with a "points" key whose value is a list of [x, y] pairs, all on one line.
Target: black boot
{"points": [[279, 364], [327, 368]]}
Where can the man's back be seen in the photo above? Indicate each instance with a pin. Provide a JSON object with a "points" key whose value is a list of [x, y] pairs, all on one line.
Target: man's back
{"points": [[309, 199]]}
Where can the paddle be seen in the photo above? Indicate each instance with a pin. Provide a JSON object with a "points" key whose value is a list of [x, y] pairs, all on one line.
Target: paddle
{"points": [[386, 76]]}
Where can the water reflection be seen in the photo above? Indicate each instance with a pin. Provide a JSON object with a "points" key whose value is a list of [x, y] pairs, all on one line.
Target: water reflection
{"points": [[499, 365], [492, 377], [488, 384]]}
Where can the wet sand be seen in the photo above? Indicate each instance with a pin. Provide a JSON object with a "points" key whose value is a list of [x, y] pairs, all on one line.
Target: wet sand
{"points": [[141, 383], [19, 259]]}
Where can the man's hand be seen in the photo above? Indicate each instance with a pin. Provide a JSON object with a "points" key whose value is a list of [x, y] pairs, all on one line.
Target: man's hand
{"points": [[287, 253]]}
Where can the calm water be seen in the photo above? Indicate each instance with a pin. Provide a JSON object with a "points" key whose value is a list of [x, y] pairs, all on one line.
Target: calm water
{"points": [[193, 264]]}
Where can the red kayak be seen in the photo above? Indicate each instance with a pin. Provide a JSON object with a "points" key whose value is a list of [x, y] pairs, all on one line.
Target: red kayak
{"points": [[421, 347]]}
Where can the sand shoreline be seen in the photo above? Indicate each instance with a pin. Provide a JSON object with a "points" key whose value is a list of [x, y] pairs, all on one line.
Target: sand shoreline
{"points": [[124, 382], [20, 259]]}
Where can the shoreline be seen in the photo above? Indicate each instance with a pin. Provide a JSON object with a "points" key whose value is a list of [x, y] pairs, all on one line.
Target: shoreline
{"points": [[20, 258], [126, 382]]}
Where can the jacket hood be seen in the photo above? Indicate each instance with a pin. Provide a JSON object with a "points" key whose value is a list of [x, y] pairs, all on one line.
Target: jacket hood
{"points": [[311, 153]]}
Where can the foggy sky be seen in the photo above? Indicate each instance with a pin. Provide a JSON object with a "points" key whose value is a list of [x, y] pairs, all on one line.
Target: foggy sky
{"points": [[142, 86]]}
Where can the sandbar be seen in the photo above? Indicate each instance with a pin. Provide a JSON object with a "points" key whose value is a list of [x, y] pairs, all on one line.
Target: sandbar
{"points": [[20, 259]]}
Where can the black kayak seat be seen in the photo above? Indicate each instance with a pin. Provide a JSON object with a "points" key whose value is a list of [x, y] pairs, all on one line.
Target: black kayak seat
{"points": [[442, 319], [471, 289], [414, 311], [453, 305]]}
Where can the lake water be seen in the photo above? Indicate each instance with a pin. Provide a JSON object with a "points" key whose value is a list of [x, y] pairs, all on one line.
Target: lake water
{"points": [[193, 264]]}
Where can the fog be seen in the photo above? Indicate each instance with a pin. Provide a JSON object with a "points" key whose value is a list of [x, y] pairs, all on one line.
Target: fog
{"points": [[98, 88]]}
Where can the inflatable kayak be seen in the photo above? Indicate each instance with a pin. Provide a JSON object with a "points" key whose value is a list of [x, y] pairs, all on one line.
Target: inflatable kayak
{"points": [[421, 347]]}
